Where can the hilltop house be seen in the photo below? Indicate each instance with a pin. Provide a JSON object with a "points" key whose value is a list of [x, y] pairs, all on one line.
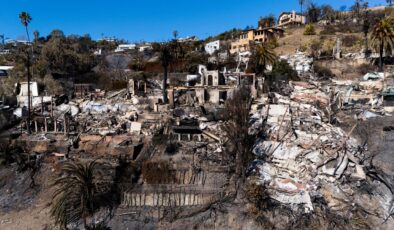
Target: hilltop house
{"points": [[188, 39], [124, 47], [211, 47], [145, 46], [251, 36], [291, 18], [4, 70]]}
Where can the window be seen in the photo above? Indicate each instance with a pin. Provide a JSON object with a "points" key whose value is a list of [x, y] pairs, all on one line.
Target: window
{"points": [[210, 80]]}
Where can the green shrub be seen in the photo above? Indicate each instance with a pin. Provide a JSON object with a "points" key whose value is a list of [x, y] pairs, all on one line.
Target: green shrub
{"points": [[303, 48], [309, 30], [281, 70]]}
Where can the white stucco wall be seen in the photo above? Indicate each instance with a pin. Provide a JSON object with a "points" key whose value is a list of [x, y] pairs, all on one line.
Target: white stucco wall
{"points": [[211, 47]]}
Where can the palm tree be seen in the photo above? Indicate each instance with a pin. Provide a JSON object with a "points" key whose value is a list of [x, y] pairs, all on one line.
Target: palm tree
{"points": [[264, 56], [390, 2], [382, 38], [75, 196], [166, 58], [267, 21], [175, 34], [25, 20]]}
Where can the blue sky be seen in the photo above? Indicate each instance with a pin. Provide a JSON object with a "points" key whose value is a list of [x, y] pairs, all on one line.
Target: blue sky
{"points": [[143, 20]]}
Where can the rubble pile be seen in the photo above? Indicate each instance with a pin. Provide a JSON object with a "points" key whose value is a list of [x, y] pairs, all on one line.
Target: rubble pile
{"points": [[299, 61], [306, 157]]}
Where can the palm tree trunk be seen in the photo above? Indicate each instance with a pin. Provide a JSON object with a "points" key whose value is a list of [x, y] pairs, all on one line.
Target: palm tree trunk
{"points": [[28, 85], [28, 93], [381, 56], [165, 99], [27, 34]]}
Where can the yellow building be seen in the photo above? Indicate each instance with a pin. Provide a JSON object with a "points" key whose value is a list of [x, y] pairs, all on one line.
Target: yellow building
{"points": [[249, 37]]}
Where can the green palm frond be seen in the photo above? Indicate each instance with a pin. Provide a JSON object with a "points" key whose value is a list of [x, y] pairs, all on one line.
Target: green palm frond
{"points": [[25, 18], [75, 193], [265, 55], [383, 35]]}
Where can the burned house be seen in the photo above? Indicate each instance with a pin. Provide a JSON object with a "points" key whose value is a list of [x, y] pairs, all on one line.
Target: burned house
{"points": [[137, 87], [214, 87], [186, 129]]}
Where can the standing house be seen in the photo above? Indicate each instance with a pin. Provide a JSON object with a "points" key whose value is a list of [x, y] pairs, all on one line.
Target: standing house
{"points": [[4, 70], [124, 47], [211, 47], [145, 46], [247, 38], [291, 18]]}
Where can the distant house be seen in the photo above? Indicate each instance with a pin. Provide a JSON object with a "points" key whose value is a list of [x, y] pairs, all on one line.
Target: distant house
{"points": [[108, 39], [17, 42], [4, 71], [125, 47], [291, 18], [188, 39], [5, 51], [211, 47], [144, 47], [248, 37]]}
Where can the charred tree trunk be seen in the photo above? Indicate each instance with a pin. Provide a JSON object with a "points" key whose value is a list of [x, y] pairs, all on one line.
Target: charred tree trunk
{"points": [[165, 99], [381, 56]]}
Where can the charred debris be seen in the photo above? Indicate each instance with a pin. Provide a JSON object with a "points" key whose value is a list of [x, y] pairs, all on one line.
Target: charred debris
{"points": [[294, 156]]}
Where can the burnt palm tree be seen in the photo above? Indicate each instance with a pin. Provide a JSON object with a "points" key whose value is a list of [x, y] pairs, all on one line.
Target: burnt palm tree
{"points": [[25, 20], [313, 12], [382, 39], [75, 196], [166, 58]]}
